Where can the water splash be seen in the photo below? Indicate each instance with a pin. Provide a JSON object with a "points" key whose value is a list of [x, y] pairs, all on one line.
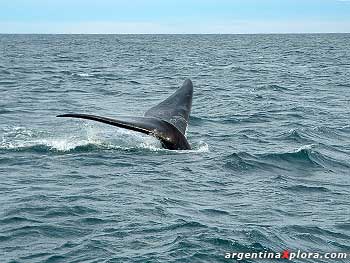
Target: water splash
{"points": [[84, 75], [85, 137], [202, 147]]}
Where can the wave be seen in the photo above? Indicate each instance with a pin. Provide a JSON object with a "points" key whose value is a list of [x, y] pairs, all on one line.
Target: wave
{"points": [[135, 82], [328, 140], [258, 117], [315, 230], [342, 133], [214, 212], [295, 135], [306, 189], [197, 121], [54, 146], [73, 145], [244, 161], [332, 132], [85, 139], [273, 87], [305, 157], [5, 111]]}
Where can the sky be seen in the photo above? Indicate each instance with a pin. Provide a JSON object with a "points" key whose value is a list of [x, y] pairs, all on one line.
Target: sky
{"points": [[174, 16]]}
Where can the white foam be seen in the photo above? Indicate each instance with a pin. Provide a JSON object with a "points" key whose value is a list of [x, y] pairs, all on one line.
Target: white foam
{"points": [[203, 147], [305, 147], [84, 74], [63, 145], [86, 134]]}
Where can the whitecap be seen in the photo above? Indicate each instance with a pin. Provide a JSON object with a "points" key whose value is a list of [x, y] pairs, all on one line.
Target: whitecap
{"points": [[83, 75]]}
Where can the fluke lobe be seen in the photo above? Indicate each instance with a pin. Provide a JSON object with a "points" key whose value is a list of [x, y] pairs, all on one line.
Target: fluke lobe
{"points": [[166, 121]]}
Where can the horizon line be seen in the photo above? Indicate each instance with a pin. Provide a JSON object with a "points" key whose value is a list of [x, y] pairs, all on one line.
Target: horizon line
{"points": [[260, 33]]}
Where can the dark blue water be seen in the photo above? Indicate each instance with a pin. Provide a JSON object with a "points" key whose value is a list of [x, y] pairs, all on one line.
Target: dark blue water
{"points": [[269, 169]]}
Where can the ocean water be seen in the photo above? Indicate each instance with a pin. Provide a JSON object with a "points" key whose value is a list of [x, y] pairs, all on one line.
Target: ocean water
{"points": [[270, 165]]}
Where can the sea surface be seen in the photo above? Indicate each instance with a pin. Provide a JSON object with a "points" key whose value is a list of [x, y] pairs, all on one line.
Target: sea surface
{"points": [[270, 131]]}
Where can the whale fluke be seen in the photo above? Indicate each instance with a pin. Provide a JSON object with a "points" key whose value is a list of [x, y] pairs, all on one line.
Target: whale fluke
{"points": [[176, 108], [166, 121]]}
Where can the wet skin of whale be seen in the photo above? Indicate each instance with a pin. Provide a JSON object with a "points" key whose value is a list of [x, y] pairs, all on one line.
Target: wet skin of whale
{"points": [[166, 121]]}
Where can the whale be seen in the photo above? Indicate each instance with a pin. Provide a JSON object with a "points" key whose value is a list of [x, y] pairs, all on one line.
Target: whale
{"points": [[167, 121]]}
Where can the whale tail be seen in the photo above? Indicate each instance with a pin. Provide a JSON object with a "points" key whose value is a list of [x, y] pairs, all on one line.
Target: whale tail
{"points": [[167, 121], [175, 109]]}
